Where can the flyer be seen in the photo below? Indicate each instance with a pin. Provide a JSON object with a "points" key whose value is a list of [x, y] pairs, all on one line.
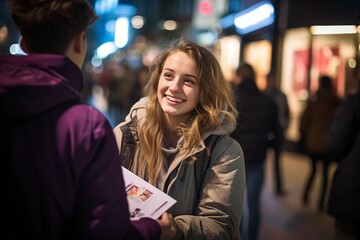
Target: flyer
{"points": [[145, 200]]}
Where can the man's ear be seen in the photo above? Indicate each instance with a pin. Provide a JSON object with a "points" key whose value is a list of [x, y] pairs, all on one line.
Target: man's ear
{"points": [[79, 41], [23, 45]]}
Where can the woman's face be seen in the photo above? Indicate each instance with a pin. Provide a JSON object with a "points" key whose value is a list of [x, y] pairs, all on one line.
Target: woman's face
{"points": [[178, 89]]}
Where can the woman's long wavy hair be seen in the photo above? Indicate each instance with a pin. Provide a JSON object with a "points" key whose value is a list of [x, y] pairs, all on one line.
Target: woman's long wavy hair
{"points": [[215, 105]]}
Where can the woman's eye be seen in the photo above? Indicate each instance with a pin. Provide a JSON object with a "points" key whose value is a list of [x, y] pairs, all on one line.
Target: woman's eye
{"points": [[168, 75], [189, 81]]}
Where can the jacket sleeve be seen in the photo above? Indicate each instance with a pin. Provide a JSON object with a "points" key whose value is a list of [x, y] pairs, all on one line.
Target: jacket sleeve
{"points": [[101, 208], [342, 131], [221, 202]]}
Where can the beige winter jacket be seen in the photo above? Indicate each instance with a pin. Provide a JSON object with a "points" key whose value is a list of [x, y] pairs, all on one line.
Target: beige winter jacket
{"points": [[218, 213]]}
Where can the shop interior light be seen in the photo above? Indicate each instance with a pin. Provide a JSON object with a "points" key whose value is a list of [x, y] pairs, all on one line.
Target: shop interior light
{"points": [[336, 29], [137, 22], [255, 17], [168, 25]]}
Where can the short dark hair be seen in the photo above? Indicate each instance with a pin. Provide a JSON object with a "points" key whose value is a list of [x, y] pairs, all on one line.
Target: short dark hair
{"points": [[325, 81], [48, 26], [246, 71]]}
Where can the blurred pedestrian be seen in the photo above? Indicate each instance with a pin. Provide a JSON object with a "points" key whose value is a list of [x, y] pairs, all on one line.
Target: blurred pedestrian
{"points": [[256, 128], [314, 125], [120, 78], [137, 90], [343, 145], [63, 177], [177, 138], [284, 116]]}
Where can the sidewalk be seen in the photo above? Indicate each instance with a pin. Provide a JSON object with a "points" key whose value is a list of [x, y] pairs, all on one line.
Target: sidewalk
{"points": [[284, 217]]}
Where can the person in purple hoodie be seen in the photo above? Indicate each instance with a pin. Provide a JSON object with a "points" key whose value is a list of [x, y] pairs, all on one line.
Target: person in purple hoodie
{"points": [[63, 177]]}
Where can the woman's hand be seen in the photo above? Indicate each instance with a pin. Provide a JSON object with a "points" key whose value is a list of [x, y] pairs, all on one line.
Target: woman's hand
{"points": [[168, 226]]}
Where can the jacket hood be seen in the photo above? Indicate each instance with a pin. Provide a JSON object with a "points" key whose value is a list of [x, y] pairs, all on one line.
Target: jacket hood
{"points": [[138, 110], [33, 84]]}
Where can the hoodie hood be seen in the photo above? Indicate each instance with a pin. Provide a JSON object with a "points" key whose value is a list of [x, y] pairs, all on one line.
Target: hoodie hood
{"points": [[33, 84]]}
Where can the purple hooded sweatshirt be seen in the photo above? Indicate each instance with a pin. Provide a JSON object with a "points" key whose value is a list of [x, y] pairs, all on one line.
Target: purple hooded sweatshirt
{"points": [[60, 159]]}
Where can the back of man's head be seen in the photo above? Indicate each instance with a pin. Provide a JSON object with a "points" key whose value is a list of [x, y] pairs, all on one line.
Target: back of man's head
{"points": [[48, 26]]}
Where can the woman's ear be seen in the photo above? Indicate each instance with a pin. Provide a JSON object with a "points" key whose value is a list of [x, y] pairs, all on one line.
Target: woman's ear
{"points": [[23, 45]]}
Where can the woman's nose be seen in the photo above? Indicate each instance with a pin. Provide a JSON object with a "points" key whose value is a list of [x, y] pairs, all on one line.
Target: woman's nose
{"points": [[175, 85]]}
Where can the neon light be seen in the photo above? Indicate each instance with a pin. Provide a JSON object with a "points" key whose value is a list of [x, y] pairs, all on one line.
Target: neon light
{"points": [[121, 32], [255, 17]]}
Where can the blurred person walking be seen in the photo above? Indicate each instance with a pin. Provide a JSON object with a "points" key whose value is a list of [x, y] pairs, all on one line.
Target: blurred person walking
{"points": [[63, 177], [343, 146], [314, 125], [257, 124], [120, 80], [137, 89], [284, 116]]}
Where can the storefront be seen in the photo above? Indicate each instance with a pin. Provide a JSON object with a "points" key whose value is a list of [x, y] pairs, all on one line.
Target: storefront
{"points": [[299, 54], [248, 38], [307, 56]]}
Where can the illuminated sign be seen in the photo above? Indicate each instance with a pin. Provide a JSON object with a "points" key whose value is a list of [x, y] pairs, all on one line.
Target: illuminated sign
{"points": [[205, 7], [254, 17]]}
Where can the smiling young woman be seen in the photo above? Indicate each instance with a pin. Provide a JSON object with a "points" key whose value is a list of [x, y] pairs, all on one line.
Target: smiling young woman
{"points": [[188, 102]]}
